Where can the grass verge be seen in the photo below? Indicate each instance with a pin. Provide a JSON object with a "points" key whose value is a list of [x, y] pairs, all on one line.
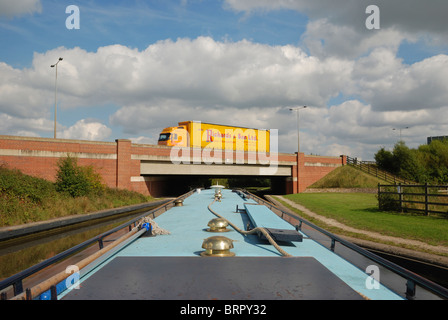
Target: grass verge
{"points": [[347, 177], [25, 199], [360, 210]]}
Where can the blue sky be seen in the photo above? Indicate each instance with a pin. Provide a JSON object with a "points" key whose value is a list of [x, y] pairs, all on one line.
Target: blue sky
{"points": [[135, 67], [137, 24]]}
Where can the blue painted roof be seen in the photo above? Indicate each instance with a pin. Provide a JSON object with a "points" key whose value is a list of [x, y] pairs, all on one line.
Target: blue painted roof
{"points": [[187, 225], [261, 216]]}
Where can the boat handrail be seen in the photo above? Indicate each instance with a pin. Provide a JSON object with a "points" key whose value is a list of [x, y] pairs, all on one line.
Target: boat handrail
{"points": [[16, 280], [412, 279]]}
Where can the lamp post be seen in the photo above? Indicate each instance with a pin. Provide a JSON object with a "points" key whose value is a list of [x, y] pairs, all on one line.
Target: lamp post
{"points": [[298, 131], [400, 130], [55, 94]]}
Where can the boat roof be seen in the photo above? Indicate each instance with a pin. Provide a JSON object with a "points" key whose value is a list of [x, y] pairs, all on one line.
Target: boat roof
{"points": [[173, 266]]}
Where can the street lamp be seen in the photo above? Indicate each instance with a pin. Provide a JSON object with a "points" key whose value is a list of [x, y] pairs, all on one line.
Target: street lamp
{"points": [[400, 130], [298, 131], [55, 94]]}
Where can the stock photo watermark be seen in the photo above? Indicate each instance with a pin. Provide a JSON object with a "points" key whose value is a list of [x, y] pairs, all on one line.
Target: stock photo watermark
{"points": [[373, 20], [73, 21], [373, 280], [230, 147], [72, 281]]}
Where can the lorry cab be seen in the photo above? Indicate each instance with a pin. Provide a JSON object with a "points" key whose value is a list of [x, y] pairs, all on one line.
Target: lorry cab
{"points": [[174, 136]]}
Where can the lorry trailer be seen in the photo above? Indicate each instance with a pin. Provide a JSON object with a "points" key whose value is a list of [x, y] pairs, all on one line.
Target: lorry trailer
{"points": [[196, 134]]}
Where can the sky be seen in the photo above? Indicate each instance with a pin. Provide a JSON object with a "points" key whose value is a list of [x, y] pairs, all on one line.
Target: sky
{"points": [[133, 67]]}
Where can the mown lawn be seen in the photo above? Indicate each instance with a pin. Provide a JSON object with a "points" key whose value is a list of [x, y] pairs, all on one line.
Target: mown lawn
{"points": [[360, 210]]}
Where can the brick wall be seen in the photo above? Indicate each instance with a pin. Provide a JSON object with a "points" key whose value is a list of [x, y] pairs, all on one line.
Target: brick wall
{"points": [[39, 156], [119, 162], [314, 168], [123, 164]]}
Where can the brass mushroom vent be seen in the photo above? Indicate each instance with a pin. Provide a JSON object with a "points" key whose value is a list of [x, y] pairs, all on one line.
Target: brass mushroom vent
{"points": [[218, 225], [217, 246]]}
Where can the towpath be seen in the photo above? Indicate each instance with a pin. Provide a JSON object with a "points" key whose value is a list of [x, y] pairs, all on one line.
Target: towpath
{"points": [[399, 246]]}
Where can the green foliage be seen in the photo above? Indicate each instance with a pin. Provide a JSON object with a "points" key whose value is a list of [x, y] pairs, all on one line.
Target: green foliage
{"points": [[385, 160], [435, 157], [15, 184], [406, 162], [75, 180], [388, 201], [94, 180], [428, 163], [25, 199]]}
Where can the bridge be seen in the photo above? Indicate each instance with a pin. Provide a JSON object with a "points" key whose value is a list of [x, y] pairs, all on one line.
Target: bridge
{"points": [[160, 170]]}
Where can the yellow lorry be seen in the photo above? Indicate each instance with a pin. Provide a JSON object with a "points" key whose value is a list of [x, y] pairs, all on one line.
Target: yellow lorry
{"points": [[196, 134]]}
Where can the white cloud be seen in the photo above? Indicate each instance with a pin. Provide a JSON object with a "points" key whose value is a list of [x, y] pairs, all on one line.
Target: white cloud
{"points": [[86, 130], [325, 39], [390, 85], [21, 97], [200, 72], [19, 7], [240, 83], [143, 140], [338, 27], [11, 125]]}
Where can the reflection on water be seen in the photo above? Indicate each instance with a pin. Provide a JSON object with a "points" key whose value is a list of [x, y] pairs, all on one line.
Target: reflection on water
{"points": [[20, 254]]}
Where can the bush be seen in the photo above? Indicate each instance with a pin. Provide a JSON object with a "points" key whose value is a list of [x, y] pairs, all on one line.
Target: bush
{"points": [[24, 187], [388, 202], [75, 180], [427, 163], [94, 180]]}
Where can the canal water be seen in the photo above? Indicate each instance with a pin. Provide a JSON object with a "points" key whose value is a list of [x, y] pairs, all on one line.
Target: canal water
{"points": [[435, 273], [19, 254]]}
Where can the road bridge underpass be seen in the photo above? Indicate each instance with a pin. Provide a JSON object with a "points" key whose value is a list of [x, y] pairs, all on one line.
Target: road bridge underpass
{"points": [[173, 179]]}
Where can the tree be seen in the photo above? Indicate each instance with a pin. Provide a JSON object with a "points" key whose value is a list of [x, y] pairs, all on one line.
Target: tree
{"points": [[435, 158], [427, 163], [75, 180], [385, 160], [405, 161]]}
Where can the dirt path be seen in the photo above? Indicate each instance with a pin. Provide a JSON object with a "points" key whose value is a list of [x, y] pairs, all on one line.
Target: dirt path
{"points": [[396, 243]]}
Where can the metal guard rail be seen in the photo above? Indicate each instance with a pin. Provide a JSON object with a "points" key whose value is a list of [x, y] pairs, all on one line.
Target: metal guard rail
{"points": [[412, 278], [16, 280]]}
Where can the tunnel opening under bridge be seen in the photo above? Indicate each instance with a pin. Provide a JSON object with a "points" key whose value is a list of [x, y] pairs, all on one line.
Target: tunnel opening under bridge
{"points": [[174, 186]]}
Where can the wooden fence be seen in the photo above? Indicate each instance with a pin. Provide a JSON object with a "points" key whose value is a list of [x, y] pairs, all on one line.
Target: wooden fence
{"points": [[421, 198], [371, 168]]}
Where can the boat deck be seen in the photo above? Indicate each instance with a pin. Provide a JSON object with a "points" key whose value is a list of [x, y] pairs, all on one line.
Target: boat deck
{"points": [[171, 267]]}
